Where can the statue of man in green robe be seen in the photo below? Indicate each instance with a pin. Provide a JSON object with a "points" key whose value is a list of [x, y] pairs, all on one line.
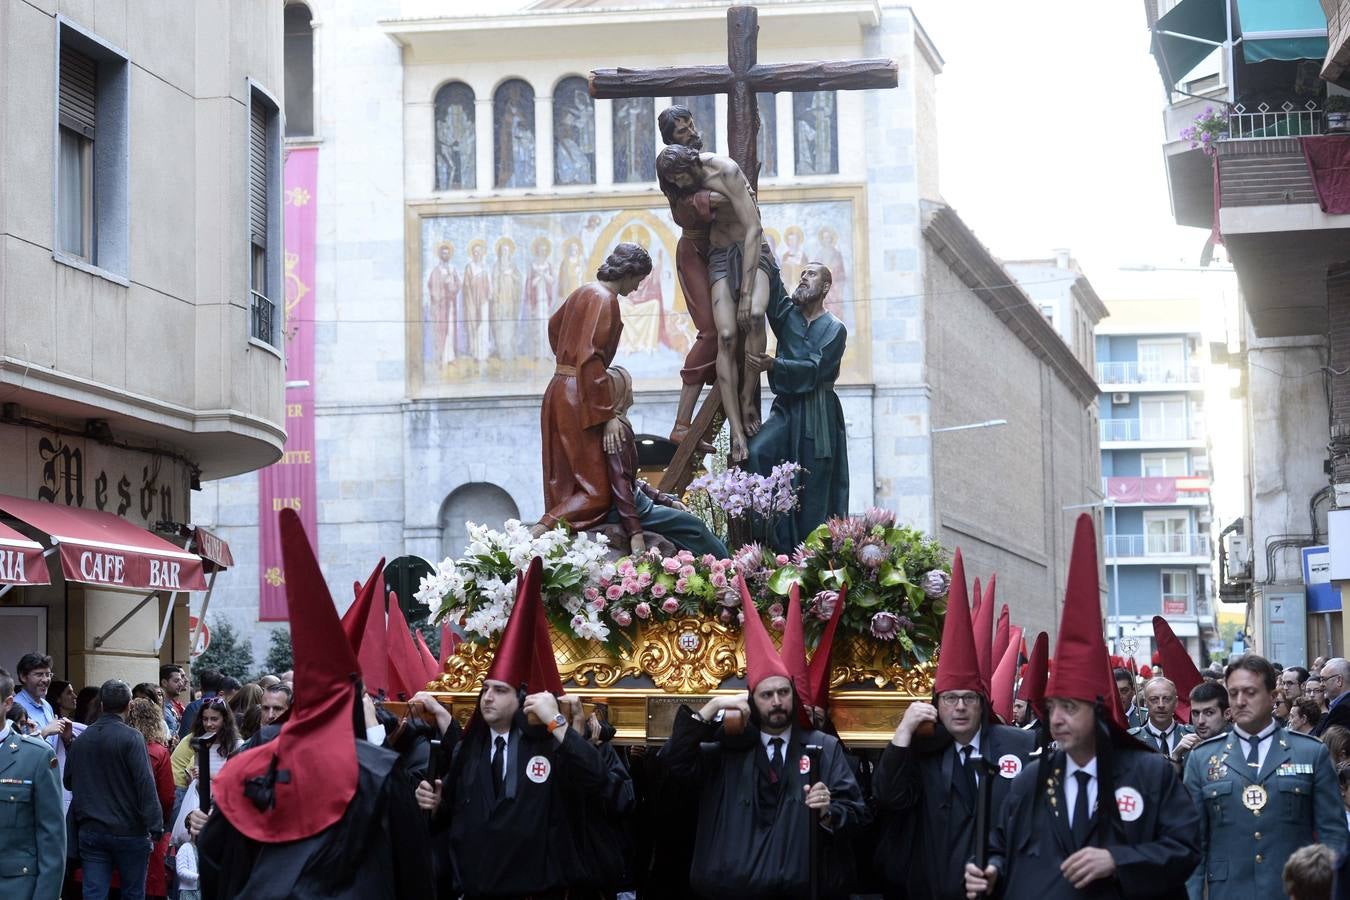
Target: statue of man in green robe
{"points": [[806, 423]]}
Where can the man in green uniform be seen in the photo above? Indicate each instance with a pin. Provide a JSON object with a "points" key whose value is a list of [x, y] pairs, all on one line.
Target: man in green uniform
{"points": [[1262, 793], [1161, 730], [806, 423], [33, 831]]}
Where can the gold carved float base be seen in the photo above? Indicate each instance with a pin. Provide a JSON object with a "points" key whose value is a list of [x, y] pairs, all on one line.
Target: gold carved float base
{"points": [[687, 661]]}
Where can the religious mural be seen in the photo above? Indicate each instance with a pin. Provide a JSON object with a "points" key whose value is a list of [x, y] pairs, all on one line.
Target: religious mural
{"points": [[454, 135], [766, 142], [634, 146], [816, 127], [487, 284], [573, 132], [513, 134]]}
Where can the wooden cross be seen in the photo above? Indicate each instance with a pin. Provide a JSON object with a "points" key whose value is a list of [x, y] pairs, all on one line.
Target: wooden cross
{"points": [[740, 79]]}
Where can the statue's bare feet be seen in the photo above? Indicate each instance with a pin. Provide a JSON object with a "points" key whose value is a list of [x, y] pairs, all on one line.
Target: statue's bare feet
{"points": [[750, 421], [681, 431], [739, 453]]}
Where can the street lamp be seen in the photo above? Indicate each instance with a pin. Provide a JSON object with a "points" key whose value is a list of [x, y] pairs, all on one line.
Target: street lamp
{"points": [[1115, 565], [990, 423]]}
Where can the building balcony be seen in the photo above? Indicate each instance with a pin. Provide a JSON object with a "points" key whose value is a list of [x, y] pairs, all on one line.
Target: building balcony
{"points": [[1126, 434], [1185, 490], [1157, 549], [1136, 376]]}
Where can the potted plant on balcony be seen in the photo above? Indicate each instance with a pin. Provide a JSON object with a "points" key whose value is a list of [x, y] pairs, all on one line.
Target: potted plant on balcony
{"points": [[1206, 130], [1337, 109]]}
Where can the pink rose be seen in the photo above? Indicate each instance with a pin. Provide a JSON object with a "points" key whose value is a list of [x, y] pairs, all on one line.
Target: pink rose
{"points": [[781, 559], [642, 611], [686, 571], [630, 586], [719, 565], [719, 580], [598, 605], [778, 623], [626, 568], [590, 593], [614, 591], [681, 585], [622, 618], [659, 590], [775, 610], [670, 606], [643, 580], [670, 564], [725, 616], [709, 559]]}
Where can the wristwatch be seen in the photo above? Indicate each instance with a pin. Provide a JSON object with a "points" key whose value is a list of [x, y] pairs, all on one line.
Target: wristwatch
{"points": [[558, 721]]}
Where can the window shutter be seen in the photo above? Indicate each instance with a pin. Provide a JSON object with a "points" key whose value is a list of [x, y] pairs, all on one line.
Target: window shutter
{"points": [[76, 105], [257, 173]]}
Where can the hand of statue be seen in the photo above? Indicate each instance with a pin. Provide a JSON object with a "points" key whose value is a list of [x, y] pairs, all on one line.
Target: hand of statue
{"points": [[1088, 865], [916, 714], [613, 436], [744, 315], [979, 883], [637, 544], [759, 362], [429, 797], [676, 504]]}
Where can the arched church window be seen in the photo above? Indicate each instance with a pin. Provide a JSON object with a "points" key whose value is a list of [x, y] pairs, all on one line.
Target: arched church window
{"points": [[456, 167], [816, 127], [573, 132], [478, 502], [634, 140], [298, 62], [513, 134]]}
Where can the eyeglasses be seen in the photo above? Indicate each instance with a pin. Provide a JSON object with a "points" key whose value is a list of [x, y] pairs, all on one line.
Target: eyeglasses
{"points": [[215, 703], [953, 700]]}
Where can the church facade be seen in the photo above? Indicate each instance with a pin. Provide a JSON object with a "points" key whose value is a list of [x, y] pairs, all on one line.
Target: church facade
{"points": [[466, 183]]}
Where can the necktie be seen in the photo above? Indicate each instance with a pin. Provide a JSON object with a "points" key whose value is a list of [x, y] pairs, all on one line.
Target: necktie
{"points": [[1165, 742], [965, 776], [1080, 809], [775, 760], [499, 766], [1254, 751]]}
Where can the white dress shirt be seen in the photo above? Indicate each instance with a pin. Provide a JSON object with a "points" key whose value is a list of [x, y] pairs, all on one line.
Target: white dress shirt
{"points": [[765, 738], [1167, 740], [1071, 784]]}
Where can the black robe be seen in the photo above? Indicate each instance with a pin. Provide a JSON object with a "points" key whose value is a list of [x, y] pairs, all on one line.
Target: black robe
{"points": [[521, 843], [601, 830], [378, 849], [929, 831], [753, 837], [1154, 854]]}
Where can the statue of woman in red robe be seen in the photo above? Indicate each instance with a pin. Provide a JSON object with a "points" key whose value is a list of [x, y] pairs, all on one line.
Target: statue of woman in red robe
{"points": [[578, 420]]}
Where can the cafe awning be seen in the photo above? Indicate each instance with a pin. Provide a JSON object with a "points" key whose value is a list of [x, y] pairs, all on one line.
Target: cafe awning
{"points": [[213, 550], [103, 549], [1281, 29], [21, 560]]}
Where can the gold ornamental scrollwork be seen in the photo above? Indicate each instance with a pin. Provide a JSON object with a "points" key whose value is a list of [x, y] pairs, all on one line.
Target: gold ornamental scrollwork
{"points": [[589, 663], [689, 655], [466, 668]]}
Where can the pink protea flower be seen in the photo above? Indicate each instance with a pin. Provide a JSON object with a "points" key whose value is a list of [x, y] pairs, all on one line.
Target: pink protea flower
{"points": [[824, 604], [670, 564], [876, 516], [801, 555], [614, 591], [885, 626], [591, 593], [670, 606], [778, 623], [659, 590], [719, 580], [935, 584], [623, 618], [872, 552], [781, 559], [642, 611]]}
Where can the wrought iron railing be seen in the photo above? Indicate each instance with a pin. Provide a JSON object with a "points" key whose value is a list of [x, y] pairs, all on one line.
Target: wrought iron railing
{"points": [[1139, 546], [1146, 373], [263, 319], [1266, 122]]}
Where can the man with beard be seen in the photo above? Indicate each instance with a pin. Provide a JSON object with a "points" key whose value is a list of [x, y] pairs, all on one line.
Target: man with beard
{"points": [[928, 786], [693, 211], [505, 805], [806, 423], [758, 806], [1100, 816]]}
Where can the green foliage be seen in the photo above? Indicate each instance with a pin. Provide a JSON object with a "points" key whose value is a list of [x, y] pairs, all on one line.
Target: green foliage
{"points": [[226, 654], [279, 657]]}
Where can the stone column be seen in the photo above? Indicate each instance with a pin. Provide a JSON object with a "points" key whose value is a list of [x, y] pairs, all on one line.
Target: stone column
{"points": [[604, 142], [543, 143], [482, 130]]}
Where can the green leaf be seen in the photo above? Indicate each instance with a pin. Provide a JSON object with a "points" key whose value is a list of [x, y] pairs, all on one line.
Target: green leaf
{"points": [[816, 539], [891, 576], [783, 579], [864, 599]]}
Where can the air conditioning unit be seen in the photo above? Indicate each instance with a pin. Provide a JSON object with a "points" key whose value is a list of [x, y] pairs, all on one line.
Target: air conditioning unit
{"points": [[1239, 556], [1119, 398]]}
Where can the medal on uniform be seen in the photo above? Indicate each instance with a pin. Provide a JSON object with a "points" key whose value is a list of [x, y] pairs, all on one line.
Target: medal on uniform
{"points": [[1254, 797]]}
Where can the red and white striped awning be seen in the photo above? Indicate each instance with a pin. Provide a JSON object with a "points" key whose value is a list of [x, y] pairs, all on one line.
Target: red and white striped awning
{"points": [[21, 560], [103, 549]]}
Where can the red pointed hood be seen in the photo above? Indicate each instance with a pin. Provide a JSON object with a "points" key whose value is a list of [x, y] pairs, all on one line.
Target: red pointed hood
{"points": [[363, 623], [794, 652], [818, 673], [313, 760], [407, 675], [1082, 666], [1002, 633], [958, 665], [431, 671], [525, 654], [449, 644], [1032, 688], [983, 623], [761, 659], [1005, 678]]}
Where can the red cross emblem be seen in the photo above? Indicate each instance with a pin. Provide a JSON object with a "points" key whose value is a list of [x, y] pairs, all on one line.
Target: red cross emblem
{"points": [[1009, 765], [1127, 804], [539, 769], [687, 641]]}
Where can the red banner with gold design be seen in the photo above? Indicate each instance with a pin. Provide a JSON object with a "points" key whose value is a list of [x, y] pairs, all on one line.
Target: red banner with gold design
{"points": [[290, 483]]}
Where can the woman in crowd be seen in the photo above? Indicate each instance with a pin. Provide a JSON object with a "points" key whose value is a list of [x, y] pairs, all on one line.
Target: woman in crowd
{"points": [[1281, 708], [61, 695], [213, 719], [1304, 715], [86, 706], [148, 718], [247, 709], [1337, 740]]}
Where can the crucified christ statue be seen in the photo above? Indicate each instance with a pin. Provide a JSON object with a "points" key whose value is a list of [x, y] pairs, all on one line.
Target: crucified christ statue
{"points": [[741, 269]]}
